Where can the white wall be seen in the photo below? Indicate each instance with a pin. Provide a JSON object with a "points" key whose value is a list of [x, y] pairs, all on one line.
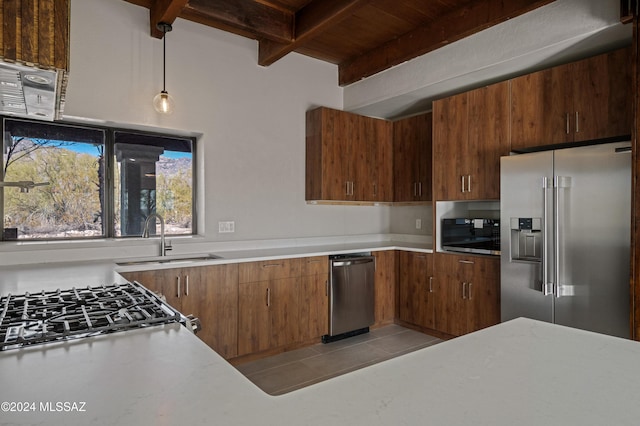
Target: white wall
{"points": [[251, 118]]}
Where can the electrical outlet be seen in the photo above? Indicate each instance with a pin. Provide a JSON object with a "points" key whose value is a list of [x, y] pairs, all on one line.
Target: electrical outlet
{"points": [[226, 227], [418, 223]]}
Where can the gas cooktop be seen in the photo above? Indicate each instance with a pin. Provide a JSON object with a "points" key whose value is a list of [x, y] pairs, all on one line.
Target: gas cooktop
{"points": [[49, 316]]}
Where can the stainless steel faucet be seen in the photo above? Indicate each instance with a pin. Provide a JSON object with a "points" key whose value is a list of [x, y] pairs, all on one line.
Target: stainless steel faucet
{"points": [[164, 247]]}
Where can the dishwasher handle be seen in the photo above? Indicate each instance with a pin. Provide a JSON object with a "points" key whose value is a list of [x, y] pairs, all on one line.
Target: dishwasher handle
{"points": [[353, 261]]}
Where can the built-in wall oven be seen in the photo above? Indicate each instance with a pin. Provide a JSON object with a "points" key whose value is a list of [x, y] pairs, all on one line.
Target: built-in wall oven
{"points": [[465, 235]]}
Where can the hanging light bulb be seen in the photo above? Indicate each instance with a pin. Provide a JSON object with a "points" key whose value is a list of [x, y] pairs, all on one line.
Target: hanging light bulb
{"points": [[163, 102]]}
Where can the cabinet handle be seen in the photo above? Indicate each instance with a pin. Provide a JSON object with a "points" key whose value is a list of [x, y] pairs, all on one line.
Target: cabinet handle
{"points": [[567, 119], [430, 284], [469, 262], [420, 189], [271, 265], [186, 285], [314, 261], [178, 287], [346, 188], [415, 189], [462, 181], [470, 295], [468, 183], [577, 122], [375, 189], [353, 184], [326, 288], [268, 297], [464, 290]]}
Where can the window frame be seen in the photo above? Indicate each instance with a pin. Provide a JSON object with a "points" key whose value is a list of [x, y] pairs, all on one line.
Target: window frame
{"points": [[109, 177]]}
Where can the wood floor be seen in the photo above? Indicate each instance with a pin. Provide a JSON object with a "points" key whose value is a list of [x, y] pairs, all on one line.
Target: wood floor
{"points": [[296, 369]]}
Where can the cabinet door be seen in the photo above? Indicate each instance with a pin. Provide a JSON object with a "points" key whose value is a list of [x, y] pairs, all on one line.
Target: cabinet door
{"points": [[450, 133], [164, 282], [541, 104], [488, 140], [471, 291], [412, 158], [417, 292], [373, 165], [602, 96], [253, 317], [283, 303], [314, 300], [424, 135], [385, 287], [451, 315], [484, 294], [211, 294], [328, 153]]}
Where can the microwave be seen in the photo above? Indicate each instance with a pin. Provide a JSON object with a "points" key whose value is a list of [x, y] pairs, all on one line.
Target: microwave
{"points": [[480, 236]]}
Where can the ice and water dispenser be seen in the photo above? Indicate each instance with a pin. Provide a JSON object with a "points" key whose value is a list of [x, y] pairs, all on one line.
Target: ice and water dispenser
{"points": [[526, 239]]}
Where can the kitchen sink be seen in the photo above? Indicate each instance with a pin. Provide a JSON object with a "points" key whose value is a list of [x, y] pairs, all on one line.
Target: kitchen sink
{"points": [[159, 260]]}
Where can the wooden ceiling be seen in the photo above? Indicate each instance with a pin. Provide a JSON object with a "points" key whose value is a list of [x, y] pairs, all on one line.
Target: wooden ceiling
{"points": [[363, 37]]}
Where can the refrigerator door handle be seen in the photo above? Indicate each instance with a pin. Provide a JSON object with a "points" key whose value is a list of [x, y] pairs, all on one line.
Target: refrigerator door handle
{"points": [[560, 183], [547, 285]]}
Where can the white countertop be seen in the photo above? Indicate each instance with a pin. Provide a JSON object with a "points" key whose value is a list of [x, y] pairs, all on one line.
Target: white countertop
{"points": [[45, 276], [522, 372]]}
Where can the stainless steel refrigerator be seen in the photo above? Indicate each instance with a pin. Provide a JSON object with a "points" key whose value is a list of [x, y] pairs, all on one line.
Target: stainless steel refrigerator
{"points": [[565, 237]]}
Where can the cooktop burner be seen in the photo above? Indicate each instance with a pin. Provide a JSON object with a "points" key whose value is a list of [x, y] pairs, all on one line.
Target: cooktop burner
{"points": [[50, 316]]}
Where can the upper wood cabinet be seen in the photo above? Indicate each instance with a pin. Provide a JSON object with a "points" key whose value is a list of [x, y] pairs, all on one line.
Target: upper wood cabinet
{"points": [[348, 157], [35, 32], [470, 134], [412, 158], [581, 101]]}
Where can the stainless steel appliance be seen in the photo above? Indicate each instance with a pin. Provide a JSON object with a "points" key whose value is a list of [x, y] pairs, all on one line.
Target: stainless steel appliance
{"points": [[471, 235], [566, 217], [351, 296], [51, 316]]}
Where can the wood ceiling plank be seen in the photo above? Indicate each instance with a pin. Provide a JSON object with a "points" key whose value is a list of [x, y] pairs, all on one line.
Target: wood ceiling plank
{"points": [[246, 17], [311, 20], [462, 22], [164, 11]]}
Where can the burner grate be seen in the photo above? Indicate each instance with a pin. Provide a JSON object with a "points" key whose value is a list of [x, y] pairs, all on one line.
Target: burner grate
{"points": [[49, 316]]}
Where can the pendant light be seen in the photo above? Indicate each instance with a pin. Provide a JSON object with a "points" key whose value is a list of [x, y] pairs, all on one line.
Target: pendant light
{"points": [[162, 102]]}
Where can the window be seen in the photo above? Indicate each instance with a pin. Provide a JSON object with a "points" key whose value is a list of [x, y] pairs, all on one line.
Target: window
{"points": [[71, 166]]}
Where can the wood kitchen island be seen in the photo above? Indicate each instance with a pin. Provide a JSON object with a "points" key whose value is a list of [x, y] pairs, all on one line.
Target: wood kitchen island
{"points": [[522, 372]]}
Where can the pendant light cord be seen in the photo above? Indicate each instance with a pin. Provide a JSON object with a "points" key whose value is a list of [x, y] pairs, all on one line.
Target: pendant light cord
{"points": [[165, 28], [164, 59]]}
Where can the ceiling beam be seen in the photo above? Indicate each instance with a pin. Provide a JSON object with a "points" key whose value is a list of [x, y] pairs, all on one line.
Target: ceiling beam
{"points": [[245, 17], [463, 22], [311, 20], [164, 11]]}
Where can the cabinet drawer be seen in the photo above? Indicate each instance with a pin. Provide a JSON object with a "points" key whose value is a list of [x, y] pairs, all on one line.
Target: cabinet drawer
{"points": [[269, 270], [314, 265]]}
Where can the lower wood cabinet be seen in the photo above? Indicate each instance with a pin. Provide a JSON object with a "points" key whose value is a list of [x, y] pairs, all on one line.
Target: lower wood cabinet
{"points": [[281, 303], [470, 287], [208, 292], [417, 289], [268, 305], [385, 287], [314, 298]]}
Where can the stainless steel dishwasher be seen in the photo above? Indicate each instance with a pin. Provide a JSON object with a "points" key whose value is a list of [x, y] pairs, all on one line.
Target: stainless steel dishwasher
{"points": [[351, 295]]}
